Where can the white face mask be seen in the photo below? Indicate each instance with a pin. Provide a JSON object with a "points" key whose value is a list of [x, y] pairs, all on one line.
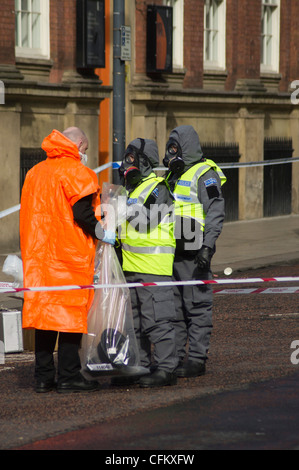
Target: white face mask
{"points": [[84, 158]]}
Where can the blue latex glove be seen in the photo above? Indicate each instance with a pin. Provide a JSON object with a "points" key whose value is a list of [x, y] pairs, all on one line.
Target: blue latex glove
{"points": [[109, 237]]}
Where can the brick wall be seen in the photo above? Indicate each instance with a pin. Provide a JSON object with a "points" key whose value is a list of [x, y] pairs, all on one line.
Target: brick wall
{"points": [[232, 38], [7, 36], [243, 33], [243, 30], [243, 39], [193, 43], [63, 37], [289, 43]]}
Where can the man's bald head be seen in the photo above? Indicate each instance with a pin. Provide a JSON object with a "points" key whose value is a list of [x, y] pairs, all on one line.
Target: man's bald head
{"points": [[77, 136]]}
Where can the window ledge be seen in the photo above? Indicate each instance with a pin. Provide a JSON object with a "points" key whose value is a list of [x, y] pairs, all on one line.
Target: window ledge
{"points": [[172, 80], [214, 78], [271, 80], [176, 78], [34, 68]]}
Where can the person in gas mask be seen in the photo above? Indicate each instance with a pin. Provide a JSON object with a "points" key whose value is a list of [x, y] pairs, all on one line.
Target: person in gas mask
{"points": [[195, 183], [148, 246]]}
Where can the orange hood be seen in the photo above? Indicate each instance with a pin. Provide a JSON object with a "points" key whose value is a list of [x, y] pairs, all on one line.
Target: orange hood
{"points": [[57, 145]]}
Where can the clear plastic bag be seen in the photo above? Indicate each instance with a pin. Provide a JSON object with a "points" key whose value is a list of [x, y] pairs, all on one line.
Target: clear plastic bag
{"points": [[13, 266], [110, 347]]}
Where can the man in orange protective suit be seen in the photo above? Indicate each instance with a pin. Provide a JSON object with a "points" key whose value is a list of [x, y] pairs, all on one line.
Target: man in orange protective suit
{"points": [[58, 232]]}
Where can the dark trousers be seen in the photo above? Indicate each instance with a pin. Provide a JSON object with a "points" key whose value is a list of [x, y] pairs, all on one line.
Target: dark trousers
{"points": [[194, 304], [153, 312], [69, 364]]}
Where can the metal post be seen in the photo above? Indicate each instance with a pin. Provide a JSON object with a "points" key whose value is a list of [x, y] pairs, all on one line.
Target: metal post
{"points": [[118, 87]]}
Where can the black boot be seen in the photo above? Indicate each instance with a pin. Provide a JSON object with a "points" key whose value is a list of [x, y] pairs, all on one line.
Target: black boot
{"points": [[77, 385], [45, 387], [125, 380], [191, 369], [158, 378]]}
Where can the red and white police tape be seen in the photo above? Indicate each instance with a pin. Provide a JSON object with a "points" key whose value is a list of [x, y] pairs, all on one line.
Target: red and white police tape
{"points": [[6, 287], [267, 290]]}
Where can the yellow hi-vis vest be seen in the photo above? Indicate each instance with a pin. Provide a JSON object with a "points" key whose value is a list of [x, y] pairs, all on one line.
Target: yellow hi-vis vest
{"points": [[151, 252], [187, 204]]}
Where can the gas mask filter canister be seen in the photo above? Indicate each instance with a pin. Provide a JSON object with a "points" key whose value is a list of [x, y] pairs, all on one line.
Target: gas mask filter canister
{"points": [[130, 167], [173, 157]]}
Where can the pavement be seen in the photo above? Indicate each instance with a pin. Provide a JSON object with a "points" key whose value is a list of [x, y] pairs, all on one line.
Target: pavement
{"points": [[252, 244]]}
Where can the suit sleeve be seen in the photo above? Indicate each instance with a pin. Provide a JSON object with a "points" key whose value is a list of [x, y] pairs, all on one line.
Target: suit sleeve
{"points": [[85, 217], [210, 195]]}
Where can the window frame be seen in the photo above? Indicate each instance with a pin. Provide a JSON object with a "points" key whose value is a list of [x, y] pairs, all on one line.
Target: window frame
{"points": [[42, 52], [218, 62], [271, 66], [177, 32]]}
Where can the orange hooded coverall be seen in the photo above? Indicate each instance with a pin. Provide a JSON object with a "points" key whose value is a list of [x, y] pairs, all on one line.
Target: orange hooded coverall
{"points": [[55, 250]]}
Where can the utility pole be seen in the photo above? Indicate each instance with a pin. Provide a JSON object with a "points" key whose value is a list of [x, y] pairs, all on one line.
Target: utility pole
{"points": [[119, 111]]}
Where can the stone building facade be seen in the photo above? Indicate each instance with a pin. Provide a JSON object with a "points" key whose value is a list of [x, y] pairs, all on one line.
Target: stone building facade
{"points": [[43, 90], [234, 62]]}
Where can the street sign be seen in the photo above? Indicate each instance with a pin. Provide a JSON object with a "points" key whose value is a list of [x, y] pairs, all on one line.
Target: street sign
{"points": [[125, 43]]}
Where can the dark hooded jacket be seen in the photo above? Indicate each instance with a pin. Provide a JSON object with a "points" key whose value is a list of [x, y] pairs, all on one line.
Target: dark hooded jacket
{"points": [[210, 196], [188, 139], [152, 153], [147, 215]]}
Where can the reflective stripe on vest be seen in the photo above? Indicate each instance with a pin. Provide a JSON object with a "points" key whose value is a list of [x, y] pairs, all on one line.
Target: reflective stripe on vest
{"points": [[185, 192], [154, 250], [151, 252]]}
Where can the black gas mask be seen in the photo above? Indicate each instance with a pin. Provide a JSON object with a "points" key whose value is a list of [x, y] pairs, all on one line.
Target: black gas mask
{"points": [[130, 168], [173, 157]]}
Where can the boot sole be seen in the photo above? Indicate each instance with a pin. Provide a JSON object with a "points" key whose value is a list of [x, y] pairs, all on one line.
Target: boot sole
{"points": [[145, 385], [186, 374], [77, 391]]}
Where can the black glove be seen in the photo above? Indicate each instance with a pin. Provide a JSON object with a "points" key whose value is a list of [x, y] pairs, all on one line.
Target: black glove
{"points": [[203, 258]]}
